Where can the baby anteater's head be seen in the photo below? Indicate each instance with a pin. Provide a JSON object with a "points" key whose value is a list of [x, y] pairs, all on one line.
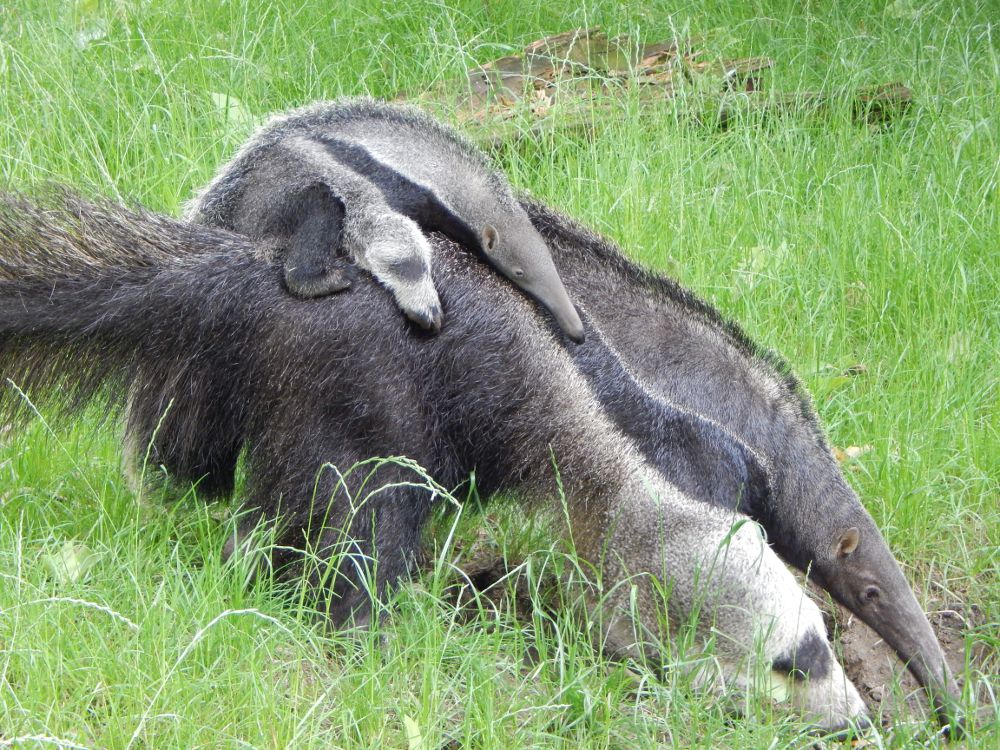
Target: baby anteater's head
{"points": [[518, 251]]}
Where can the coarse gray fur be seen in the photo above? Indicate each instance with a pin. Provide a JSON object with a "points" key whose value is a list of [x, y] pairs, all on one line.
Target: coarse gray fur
{"points": [[426, 173], [184, 314], [684, 352]]}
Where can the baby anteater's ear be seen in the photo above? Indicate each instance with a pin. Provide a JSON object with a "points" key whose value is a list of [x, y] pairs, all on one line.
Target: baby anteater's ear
{"points": [[490, 238]]}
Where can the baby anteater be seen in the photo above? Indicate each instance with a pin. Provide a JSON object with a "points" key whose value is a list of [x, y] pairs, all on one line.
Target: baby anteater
{"points": [[362, 175]]}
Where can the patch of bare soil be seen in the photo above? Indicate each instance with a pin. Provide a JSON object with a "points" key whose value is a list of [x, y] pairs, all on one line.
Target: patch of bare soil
{"points": [[563, 79], [886, 686]]}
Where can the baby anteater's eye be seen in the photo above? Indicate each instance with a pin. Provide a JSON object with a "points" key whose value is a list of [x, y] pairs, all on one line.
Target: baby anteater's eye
{"points": [[518, 273]]}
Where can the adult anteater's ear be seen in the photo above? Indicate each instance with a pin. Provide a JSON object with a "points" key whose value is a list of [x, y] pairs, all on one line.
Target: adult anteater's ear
{"points": [[490, 237], [848, 541]]}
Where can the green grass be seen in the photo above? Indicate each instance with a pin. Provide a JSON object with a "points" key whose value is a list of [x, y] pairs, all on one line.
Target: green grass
{"points": [[835, 244]]}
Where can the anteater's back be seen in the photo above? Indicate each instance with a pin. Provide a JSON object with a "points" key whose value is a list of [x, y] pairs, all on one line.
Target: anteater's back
{"points": [[412, 143]]}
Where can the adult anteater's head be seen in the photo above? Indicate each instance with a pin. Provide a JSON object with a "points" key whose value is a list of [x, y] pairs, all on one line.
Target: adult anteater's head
{"points": [[857, 567]]}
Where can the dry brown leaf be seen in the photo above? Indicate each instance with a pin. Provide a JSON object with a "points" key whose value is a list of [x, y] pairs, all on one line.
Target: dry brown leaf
{"points": [[850, 453]]}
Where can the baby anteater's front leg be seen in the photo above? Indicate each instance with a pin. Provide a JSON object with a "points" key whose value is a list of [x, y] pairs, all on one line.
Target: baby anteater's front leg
{"points": [[392, 248], [310, 268], [380, 240]]}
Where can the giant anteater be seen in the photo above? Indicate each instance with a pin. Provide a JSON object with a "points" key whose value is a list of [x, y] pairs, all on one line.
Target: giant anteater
{"points": [[684, 352], [219, 359], [679, 348]]}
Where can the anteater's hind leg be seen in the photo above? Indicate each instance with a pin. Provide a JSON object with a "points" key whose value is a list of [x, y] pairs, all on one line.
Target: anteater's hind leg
{"points": [[348, 526], [186, 414]]}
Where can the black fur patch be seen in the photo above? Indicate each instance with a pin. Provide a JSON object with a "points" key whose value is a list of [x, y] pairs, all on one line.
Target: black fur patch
{"points": [[558, 229], [695, 454], [410, 269], [402, 194], [313, 219], [811, 659]]}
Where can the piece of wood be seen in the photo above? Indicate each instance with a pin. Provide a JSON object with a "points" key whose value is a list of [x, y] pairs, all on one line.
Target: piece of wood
{"points": [[566, 79]]}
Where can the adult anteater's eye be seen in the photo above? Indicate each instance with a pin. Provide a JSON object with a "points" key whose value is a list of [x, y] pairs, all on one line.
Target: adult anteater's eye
{"points": [[518, 273], [872, 594]]}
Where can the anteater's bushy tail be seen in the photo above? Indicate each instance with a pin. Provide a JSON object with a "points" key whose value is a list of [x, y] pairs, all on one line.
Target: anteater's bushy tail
{"points": [[62, 235], [99, 299]]}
